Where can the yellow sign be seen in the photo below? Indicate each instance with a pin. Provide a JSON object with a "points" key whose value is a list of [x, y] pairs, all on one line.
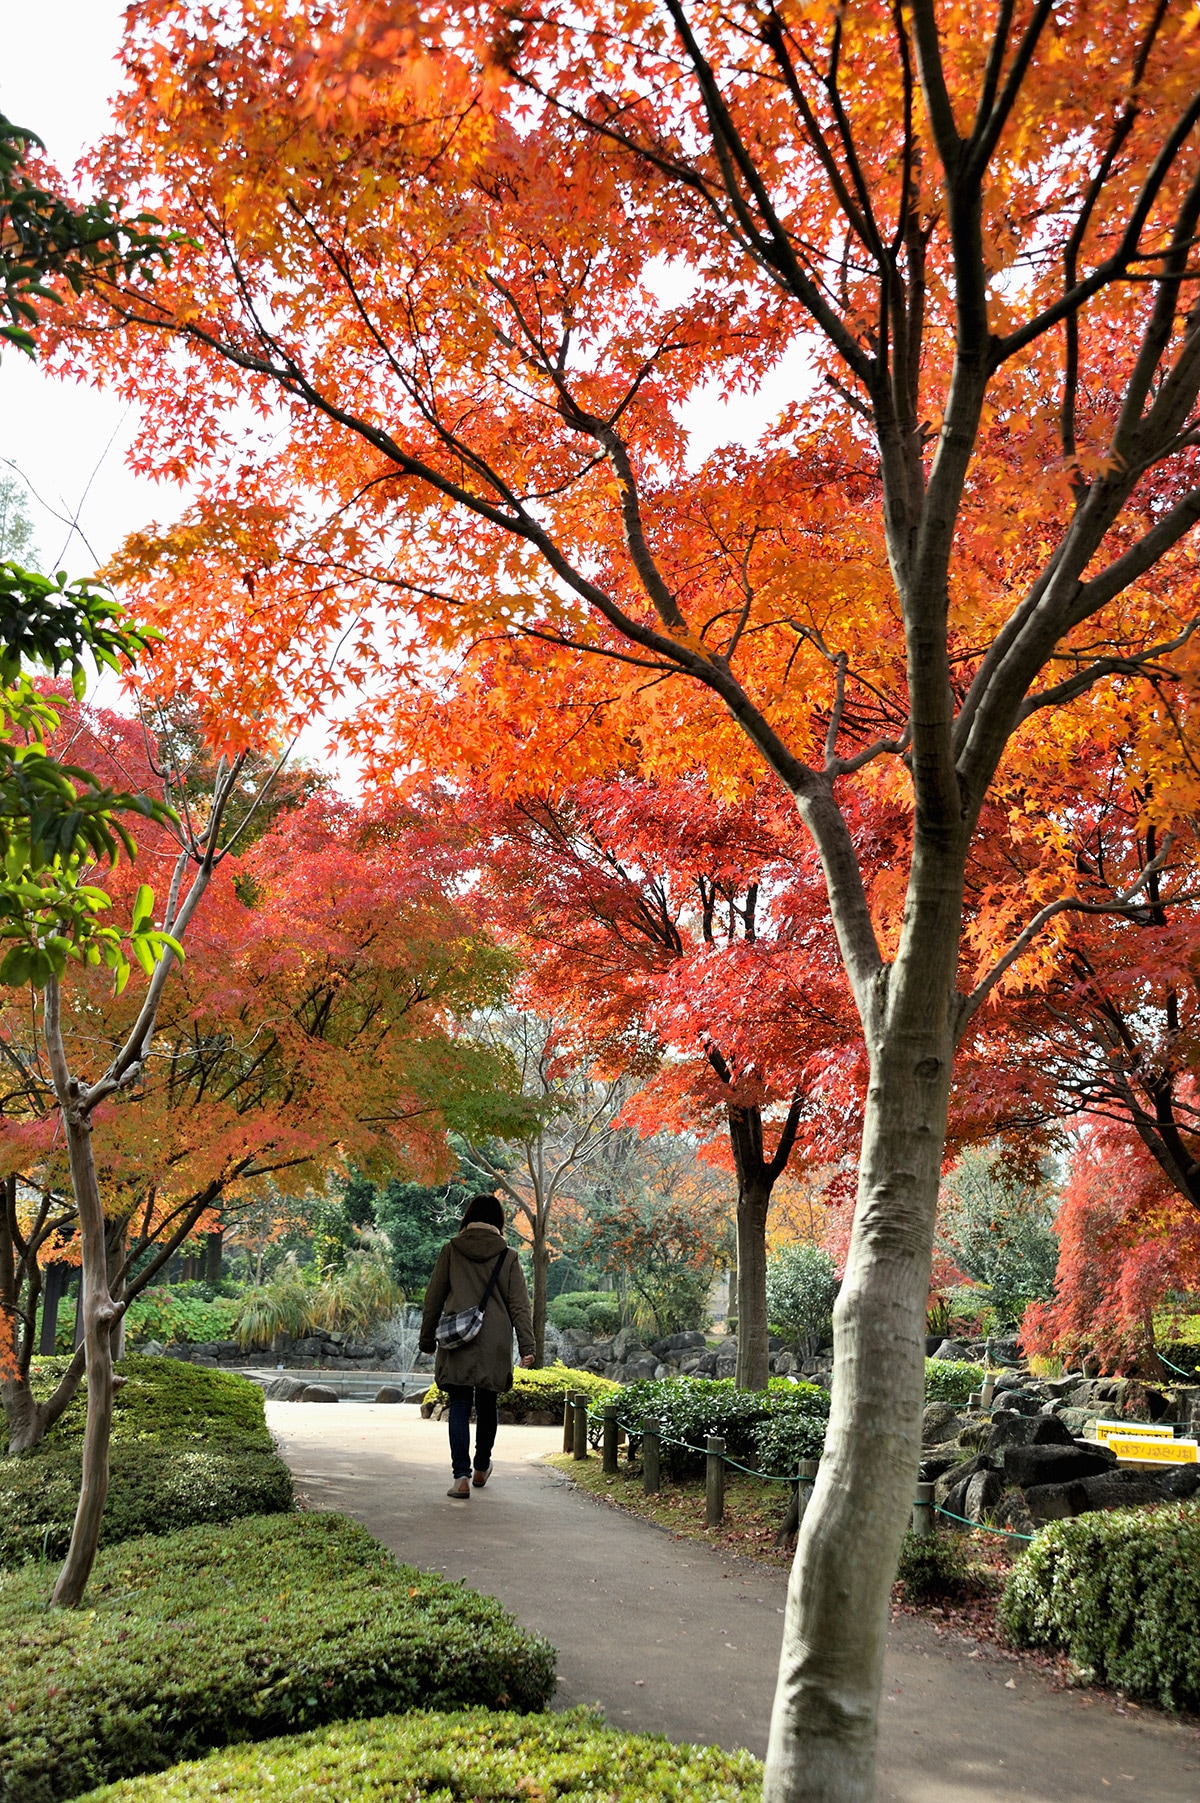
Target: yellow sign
{"points": [[1141, 1430], [1156, 1451]]}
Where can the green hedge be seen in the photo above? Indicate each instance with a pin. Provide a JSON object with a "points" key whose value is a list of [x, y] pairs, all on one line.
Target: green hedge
{"points": [[546, 1389], [189, 1446], [159, 1313], [772, 1425], [951, 1380], [1120, 1593], [484, 1758], [197, 1639], [592, 1311], [167, 1402]]}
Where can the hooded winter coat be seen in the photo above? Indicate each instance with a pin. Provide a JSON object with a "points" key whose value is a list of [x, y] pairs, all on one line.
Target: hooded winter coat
{"points": [[458, 1282]]}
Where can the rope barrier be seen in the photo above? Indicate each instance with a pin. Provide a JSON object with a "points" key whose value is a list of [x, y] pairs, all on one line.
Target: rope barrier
{"points": [[1172, 1366], [702, 1452], [800, 1478]]}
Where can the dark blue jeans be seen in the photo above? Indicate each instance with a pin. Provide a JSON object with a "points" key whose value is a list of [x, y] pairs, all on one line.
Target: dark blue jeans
{"points": [[462, 1396]]}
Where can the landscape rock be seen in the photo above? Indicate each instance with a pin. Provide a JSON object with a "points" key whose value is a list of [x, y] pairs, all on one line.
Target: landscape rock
{"points": [[1010, 1512], [683, 1342], [1055, 1502], [939, 1423], [1004, 1352], [638, 1370], [936, 1462], [956, 1478], [285, 1389], [626, 1345], [1010, 1429], [390, 1393], [951, 1349], [698, 1364], [1124, 1489], [983, 1492], [1041, 1465], [784, 1364], [153, 1350], [1142, 1403], [319, 1393], [309, 1348]]}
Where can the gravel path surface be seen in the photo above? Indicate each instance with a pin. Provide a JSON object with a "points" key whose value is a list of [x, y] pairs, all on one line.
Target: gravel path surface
{"points": [[670, 1637]]}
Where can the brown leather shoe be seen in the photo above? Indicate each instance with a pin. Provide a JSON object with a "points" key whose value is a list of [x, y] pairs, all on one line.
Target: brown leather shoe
{"points": [[459, 1490], [481, 1477]]}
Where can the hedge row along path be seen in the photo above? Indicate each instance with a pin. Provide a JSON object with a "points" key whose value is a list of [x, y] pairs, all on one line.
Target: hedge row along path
{"points": [[672, 1638]]}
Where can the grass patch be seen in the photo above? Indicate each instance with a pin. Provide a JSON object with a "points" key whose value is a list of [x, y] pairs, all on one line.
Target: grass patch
{"points": [[193, 1640], [481, 1757], [189, 1446], [754, 1510]]}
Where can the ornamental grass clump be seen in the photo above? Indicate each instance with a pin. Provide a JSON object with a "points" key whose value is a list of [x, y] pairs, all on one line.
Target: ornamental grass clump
{"points": [[1119, 1592], [195, 1640], [486, 1758]]}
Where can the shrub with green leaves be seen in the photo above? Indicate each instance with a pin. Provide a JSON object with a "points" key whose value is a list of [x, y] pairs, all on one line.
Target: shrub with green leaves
{"points": [[1120, 1593], [487, 1758], [159, 1314], [951, 1380], [194, 1640], [542, 1391], [788, 1435], [590, 1311], [934, 1567], [188, 1446], [690, 1408]]}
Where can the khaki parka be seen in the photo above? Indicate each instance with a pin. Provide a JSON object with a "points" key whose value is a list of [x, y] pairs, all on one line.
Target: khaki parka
{"points": [[459, 1279]]}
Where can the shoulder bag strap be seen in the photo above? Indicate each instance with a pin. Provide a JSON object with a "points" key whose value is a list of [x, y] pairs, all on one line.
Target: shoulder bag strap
{"points": [[491, 1282]]}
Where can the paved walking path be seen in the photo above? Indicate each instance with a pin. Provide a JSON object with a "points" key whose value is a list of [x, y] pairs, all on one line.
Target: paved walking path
{"points": [[669, 1636]]}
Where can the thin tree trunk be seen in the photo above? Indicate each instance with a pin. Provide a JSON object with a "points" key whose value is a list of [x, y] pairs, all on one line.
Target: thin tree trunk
{"points": [[753, 1355], [824, 1721], [541, 1274]]}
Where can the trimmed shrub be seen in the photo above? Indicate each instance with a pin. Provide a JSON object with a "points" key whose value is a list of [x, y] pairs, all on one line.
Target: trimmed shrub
{"points": [[189, 1446], [198, 1639], [1120, 1592], [545, 1390], [933, 1567], [591, 1311], [487, 1758], [167, 1402], [691, 1408], [951, 1380], [787, 1436]]}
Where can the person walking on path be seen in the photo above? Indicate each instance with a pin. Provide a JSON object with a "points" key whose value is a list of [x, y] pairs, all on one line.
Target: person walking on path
{"points": [[476, 1270]]}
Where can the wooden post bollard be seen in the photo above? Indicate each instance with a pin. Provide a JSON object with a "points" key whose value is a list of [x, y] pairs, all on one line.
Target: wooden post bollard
{"points": [[650, 1455], [610, 1439], [804, 1489], [569, 1424], [714, 1481], [922, 1515], [580, 1447], [988, 1391]]}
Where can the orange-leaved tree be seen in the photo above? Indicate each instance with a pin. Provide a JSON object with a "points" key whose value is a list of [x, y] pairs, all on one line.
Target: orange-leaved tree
{"points": [[469, 274]]}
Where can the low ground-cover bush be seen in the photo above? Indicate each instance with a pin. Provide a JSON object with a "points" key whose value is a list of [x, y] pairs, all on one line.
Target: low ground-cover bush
{"points": [[189, 1446], [486, 1758], [951, 1380], [934, 1567], [194, 1640], [770, 1424], [545, 1390], [167, 1403], [1120, 1593]]}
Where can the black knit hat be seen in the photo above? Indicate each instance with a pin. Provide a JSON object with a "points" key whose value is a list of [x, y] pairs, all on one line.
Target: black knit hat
{"points": [[484, 1208]]}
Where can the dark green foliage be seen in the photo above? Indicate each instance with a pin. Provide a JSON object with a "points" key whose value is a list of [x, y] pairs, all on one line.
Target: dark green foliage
{"points": [[189, 1446], [1120, 1593], [951, 1380], [545, 1391], [416, 1220], [483, 1758], [791, 1433], [691, 1408], [44, 238], [934, 1567], [197, 1639], [593, 1311]]}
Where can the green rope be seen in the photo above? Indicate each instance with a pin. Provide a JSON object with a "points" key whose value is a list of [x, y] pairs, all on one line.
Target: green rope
{"points": [[1172, 1366], [800, 1478]]}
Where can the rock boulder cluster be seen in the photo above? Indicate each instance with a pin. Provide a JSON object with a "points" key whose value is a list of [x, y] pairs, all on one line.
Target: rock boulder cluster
{"points": [[1031, 1461], [627, 1359], [327, 1351]]}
